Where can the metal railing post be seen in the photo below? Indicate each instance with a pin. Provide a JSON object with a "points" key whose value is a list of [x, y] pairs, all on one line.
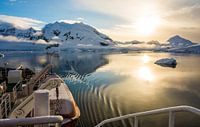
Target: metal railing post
{"points": [[171, 119], [9, 102], [135, 121], [5, 108], [41, 104]]}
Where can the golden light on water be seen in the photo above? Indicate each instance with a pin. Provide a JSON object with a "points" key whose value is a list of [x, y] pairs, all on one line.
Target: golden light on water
{"points": [[145, 59], [141, 70], [146, 74]]}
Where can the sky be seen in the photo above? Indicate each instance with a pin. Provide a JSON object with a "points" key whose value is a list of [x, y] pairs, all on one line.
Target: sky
{"points": [[122, 20]]}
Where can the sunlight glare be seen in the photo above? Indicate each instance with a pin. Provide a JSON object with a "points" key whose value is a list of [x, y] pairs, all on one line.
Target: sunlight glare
{"points": [[145, 58], [145, 74], [147, 25]]}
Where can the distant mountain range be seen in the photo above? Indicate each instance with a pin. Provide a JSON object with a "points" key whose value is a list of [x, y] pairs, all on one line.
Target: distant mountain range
{"points": [[173, 42], [7, 29], [63, 33]]}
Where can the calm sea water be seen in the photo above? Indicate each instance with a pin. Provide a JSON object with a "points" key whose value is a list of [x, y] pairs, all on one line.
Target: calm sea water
{"points": [[108, 85]]}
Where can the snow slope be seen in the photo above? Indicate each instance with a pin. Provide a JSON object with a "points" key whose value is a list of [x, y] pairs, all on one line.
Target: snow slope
{"points": [[182, 45], [178, 42], [67, 35], [74, 34], [7, 29]]}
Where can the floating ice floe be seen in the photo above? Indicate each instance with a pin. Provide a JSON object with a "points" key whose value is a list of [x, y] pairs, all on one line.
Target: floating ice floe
{"points": [[1, 55], [167, 62]]}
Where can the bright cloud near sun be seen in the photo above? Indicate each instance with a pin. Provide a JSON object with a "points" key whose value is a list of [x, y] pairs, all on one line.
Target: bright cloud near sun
{"points": [[148, 19], [147, 25], [122, 20]]}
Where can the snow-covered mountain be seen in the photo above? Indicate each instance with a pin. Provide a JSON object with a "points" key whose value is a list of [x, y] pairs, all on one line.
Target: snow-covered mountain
{"points": [[7, 29], [61, 35], [77, 34], [178, 42], [182, 45]]}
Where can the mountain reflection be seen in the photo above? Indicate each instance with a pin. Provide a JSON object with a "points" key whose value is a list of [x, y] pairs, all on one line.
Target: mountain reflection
{"points": [[105, 86], [80, 63]]}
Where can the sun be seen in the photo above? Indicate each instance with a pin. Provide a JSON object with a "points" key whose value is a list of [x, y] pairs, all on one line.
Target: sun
{"points": [[147, 25]]}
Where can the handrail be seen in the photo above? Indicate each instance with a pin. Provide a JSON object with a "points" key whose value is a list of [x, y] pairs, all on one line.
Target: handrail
{"points": [[27, 105], [5, 105], [16, 89], [30, 121], [170, 110], [35, 79]]}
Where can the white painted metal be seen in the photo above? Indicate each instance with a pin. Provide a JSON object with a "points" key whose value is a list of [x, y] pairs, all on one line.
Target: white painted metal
{"points": [[27, 105], [16, 88], [41, 103], [5, 105], [170, 110], [23, 109], [30, 121], [14, 76], [38, 78], [171, 119], [135, 121]]}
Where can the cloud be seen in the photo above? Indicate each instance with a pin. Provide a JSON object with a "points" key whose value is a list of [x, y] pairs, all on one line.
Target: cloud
{"points": [[189, 28], [12, 0], [21, 22], [80, 19], [10, 39], [173, 14], [189, 14], [20, 40], [131, 10], [70, 21]]}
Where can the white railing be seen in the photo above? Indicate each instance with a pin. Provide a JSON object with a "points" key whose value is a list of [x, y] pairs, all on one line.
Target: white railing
{"points": [[16, 89], [25, 107], [41, 120], [37, 79], [170, 110], [5, 105]]}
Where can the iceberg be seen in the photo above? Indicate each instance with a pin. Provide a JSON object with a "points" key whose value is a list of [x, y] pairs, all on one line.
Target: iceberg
{"points": [[166, 62]]}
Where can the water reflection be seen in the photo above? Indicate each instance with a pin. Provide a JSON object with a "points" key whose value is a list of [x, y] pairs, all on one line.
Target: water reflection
{"points": [[111, 85], [77, 62], [147, 86], [145, 74], [145, 58]]}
